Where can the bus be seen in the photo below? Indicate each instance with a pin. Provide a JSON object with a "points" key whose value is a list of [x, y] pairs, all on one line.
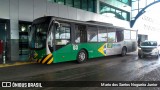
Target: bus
{"points": [[53, 40]]}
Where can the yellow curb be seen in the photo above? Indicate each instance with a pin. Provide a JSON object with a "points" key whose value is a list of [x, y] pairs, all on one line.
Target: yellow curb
{"points": [[15, 64]]}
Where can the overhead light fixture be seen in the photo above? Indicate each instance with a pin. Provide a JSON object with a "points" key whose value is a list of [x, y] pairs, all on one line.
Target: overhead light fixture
{"points": [[23, 28]]}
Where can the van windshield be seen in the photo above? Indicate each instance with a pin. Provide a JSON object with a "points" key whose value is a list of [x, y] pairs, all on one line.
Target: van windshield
{"points": [[149, 43]]}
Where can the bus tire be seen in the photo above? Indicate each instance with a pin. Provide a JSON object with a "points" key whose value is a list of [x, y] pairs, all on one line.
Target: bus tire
{"points": [[82, 56], [124, 51], [140, 56]]}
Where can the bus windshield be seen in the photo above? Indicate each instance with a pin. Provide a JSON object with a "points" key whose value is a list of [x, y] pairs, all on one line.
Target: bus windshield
{"points": [[38, 35]]}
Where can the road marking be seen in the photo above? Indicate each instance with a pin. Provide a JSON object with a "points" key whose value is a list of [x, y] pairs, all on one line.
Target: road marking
{"points": [[15, 64]]}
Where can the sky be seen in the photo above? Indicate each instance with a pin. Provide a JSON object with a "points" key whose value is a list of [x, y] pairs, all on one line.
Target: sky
{"points": [[149, 22]]}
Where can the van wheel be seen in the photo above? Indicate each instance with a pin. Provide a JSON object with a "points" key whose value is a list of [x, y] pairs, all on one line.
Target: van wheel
{"points": [[124, 51], [82, 56], [157, 56]]}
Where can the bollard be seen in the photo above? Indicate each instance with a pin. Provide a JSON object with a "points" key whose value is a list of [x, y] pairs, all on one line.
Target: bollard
{"points": [[4, 58]]}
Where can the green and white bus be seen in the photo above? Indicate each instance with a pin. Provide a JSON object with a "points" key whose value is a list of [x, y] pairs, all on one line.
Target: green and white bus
{"points": [[53, 40]]}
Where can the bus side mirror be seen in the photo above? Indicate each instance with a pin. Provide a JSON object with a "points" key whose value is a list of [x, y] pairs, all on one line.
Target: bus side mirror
{"points": [[57, 24], [29, 28]]}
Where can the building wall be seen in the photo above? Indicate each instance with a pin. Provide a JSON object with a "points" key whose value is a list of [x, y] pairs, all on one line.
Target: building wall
{"points": [[28, 10]]}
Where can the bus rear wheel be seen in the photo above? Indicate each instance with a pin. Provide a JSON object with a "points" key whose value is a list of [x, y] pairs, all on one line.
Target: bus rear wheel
{"points": [[124, 51], [82, 56]]}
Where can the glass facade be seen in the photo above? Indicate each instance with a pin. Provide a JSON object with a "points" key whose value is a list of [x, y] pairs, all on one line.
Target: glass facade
{"points": [[59, 1], [128, 2], [138, 5], [106, 7], [84, 5], [23, 37], [114, 12], [76, 4], [69, 3], [88, 5], [4, 37]]}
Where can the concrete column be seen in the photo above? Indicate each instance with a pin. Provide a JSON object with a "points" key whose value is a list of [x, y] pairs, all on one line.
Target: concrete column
{"points": [[14, 31], [97, 6]]}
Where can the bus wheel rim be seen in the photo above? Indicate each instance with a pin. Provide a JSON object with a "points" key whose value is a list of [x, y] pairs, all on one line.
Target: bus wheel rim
{"points": [[82, 56]]}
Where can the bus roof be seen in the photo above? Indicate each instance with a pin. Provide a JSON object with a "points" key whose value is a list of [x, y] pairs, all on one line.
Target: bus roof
{"points": [[91, 22]]}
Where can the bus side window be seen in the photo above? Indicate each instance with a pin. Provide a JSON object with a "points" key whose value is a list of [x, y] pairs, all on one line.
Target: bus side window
{"points": [[111, 35], [62, 35], [102, 34], [133, 35], [92, 34], [127, 34], [77, 34], [119, 34], [81, 35]]}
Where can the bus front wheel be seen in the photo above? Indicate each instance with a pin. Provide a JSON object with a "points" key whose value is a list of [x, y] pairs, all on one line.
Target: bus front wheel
{"points": [[82, 56], [124, 51]]}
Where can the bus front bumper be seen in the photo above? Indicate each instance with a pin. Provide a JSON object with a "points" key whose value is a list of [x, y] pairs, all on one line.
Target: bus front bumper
{"points": [[47, 59]]}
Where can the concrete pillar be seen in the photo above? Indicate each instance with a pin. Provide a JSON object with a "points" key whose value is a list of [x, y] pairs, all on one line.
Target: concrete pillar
{"points": [[14, 31], [97, 6]]}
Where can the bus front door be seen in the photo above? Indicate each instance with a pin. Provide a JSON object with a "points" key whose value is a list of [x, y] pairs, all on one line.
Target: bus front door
{"points": [[83, 33]]}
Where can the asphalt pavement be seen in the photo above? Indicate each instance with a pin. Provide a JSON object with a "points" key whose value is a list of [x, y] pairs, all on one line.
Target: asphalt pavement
{"points": [[114, 68]]}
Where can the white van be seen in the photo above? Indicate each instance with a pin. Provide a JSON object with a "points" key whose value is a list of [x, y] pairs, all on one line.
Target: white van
{"points": [[149, 48]]}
